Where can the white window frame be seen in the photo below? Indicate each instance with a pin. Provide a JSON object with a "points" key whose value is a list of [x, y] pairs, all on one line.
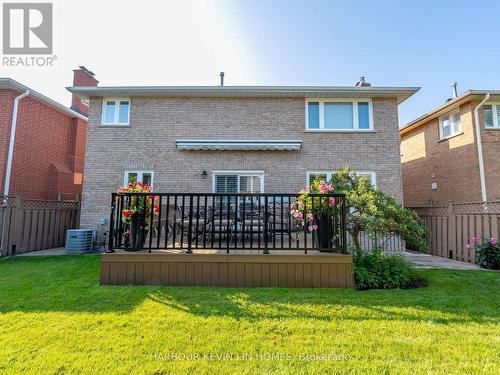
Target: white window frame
{"points": [[339, 100], [117, 111], [140, 174], [329, 174], [239, 174], [495, 106], [453, 133]]}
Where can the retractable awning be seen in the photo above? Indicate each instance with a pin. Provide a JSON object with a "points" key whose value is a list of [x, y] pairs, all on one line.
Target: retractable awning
{"points": [[238, 144]]}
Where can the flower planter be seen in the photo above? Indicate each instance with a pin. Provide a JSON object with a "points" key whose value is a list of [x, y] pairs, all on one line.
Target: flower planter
{"points": [[137, 233], [324, 234]]}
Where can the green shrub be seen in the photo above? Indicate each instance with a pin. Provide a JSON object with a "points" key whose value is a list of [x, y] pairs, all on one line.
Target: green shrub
{"points": [[487, 252], [377, 270]]}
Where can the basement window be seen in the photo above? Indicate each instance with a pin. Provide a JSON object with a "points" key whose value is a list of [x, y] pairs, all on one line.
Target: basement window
{"points": [[449, 125], [115, 112]]}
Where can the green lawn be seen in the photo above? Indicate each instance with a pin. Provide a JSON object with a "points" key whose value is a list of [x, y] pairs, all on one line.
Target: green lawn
{"points": [[55, 318]]}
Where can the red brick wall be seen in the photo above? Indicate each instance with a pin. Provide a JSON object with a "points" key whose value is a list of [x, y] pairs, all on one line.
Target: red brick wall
{"points": [[452, 164], [6, 103], [48, 152], [491, 157], [81, 78]]}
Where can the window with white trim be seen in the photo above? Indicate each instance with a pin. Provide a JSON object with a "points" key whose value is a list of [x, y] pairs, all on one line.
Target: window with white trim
{"points": [[145, 177], [115, 112], [491, 115], [327, 176], [339, 115], [449, 125], [234, 182]]}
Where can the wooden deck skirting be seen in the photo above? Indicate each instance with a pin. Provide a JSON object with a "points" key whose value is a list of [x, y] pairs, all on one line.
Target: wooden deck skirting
{"points": [[289, 269]]}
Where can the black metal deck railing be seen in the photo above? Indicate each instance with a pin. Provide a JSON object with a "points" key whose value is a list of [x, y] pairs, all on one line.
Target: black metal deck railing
{"points": [[189, 221]]}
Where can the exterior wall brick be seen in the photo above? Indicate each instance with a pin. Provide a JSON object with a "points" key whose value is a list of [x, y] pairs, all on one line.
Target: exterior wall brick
{"points": [[6, 104], [453, 163], [155, 123], [49, 149], [491, 157], [81, 78]]}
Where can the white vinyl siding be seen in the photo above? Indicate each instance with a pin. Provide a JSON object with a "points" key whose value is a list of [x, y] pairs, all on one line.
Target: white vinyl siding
{"points": [[339, 115]]}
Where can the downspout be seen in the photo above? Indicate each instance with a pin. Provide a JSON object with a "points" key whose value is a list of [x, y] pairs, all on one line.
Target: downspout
{"points": [[13, 125], [480, 149]]}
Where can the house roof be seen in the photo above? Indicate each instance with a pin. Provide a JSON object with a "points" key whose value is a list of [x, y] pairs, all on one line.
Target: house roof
{"points": [[10, 84], [400, 93], [446, 107]]}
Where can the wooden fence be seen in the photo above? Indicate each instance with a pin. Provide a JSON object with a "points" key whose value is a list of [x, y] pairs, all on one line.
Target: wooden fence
{"points": [[30, 225], [450, 228]]}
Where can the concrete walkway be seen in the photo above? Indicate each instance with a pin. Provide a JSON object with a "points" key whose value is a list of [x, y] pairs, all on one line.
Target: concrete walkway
{"points": [[420, 260], [49, 252]]}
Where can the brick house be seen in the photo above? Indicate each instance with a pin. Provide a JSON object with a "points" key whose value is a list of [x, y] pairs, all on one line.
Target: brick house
{"points": [[237, 139], [42, 143], [452, 153]]}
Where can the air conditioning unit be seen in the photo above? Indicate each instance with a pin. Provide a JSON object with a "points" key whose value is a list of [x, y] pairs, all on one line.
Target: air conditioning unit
{"points": [[79, 241]]}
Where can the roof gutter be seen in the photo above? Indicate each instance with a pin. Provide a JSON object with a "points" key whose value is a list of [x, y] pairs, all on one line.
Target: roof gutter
{"points": [[10, 154], [484, 195]]}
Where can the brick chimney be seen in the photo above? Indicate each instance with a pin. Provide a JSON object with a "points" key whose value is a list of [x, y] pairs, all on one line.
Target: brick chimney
{"points": [[82, 77], [362, 83]]}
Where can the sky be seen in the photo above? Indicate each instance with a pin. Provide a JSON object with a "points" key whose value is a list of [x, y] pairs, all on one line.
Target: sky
{"points": [[422, 43]]}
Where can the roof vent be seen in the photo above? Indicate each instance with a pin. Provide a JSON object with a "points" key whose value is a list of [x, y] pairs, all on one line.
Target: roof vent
{"points": [[362, 82], [454, 89], [221, 79]]}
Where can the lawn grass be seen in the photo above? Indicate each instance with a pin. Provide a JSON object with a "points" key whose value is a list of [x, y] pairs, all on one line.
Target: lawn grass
{"points": [[55, 318]]}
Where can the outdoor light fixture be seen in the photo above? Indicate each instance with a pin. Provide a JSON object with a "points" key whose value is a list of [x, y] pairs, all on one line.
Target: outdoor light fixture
{"points": [[204, 174]]}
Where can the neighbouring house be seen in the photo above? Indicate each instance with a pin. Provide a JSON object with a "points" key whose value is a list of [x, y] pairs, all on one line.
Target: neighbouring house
{"points": [[452, 153], [42, 142], [237, 138]]}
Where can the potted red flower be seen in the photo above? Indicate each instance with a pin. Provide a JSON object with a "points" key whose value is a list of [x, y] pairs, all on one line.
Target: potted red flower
{"points": [[136, 214]]}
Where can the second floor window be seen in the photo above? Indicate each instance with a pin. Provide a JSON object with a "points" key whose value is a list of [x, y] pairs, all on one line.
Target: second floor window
{"points": [[449, 125], [491, 115], [115, 112], [339, 115]]}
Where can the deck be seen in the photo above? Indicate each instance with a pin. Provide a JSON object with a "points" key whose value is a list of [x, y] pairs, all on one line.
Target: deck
{"points": [[238, 268]]}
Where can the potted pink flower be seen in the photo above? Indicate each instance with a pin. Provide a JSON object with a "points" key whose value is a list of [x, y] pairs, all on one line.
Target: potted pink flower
{"points": [[316, 213], [487, 252]]}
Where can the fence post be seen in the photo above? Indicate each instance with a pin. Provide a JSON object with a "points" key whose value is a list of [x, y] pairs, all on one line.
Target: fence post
{"points": [[78, 211], [16, 225], [190, 225], [266, 224], [111, 223], [5, 230], [451, 235]]}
